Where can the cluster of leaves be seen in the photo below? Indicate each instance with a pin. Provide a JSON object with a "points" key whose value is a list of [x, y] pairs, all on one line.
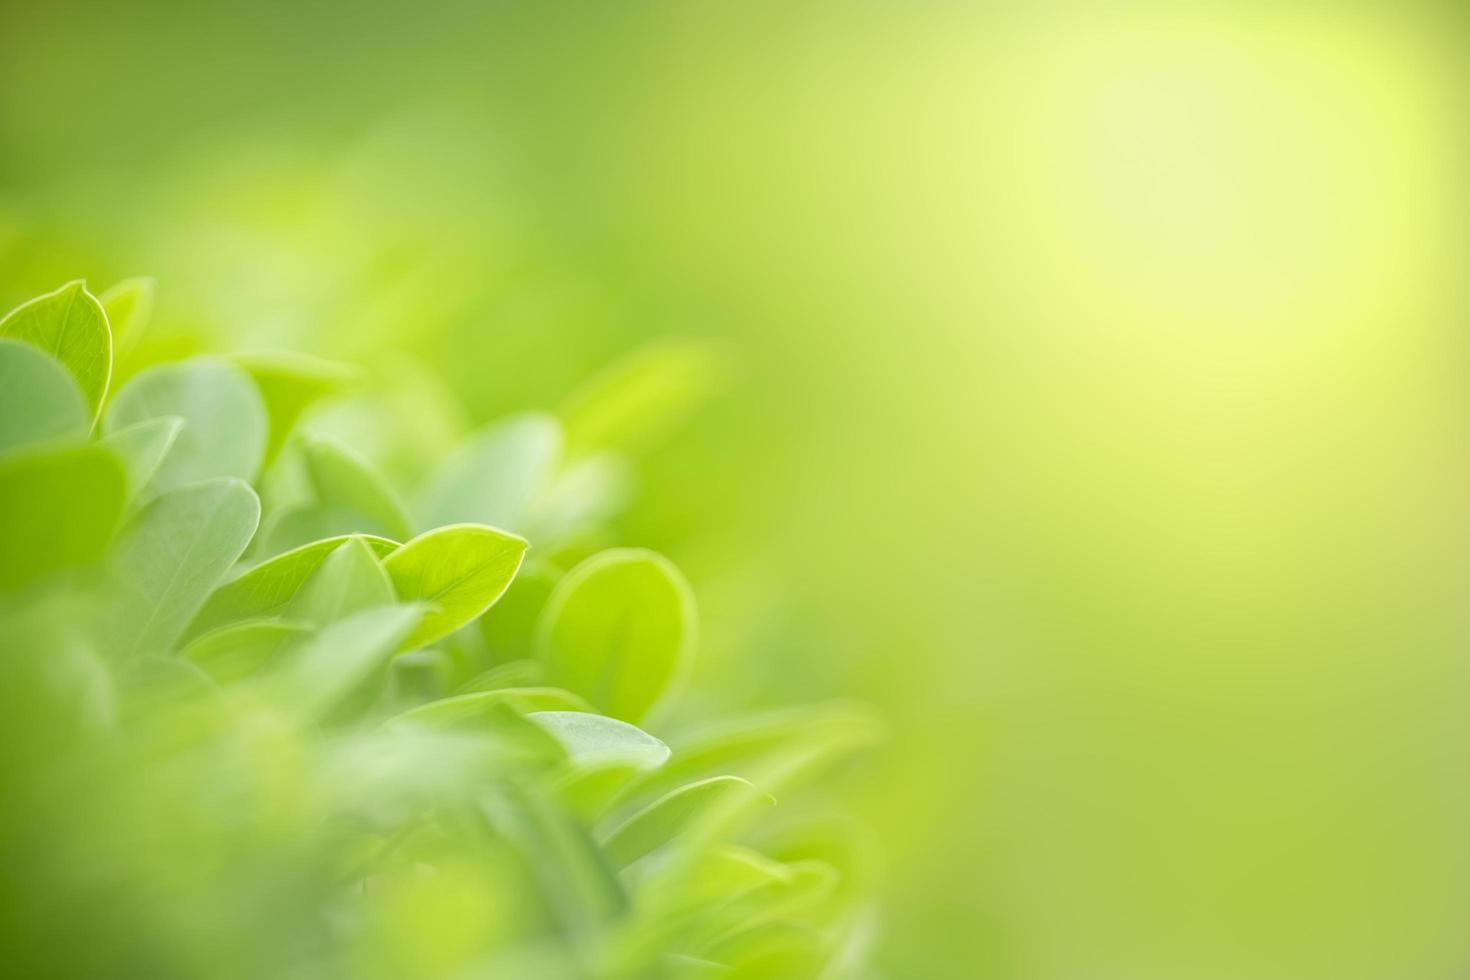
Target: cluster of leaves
{"points": [[257, 721]]}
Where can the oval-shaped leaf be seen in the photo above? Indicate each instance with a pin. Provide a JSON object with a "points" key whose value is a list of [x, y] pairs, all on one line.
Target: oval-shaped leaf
{"points": [[344, 479], [224, 420], [496, 476], [265, 589], [461, 569], [619, 630], [596, 740], [129, 306], [241, 649], [290, 383], [58, 509], [141, 448], [39, 401], [70, 325], [349, 580], [665, 818], [171, 556]]}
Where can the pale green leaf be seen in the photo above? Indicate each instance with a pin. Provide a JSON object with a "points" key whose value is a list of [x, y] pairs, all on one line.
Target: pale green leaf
{"points": [[141, 447], [293, 527], [668, 816], [341, 658], [241, 649], [467, 709], [619, 630], [224, 421], [58, 509], [39, 400], [641, 398], [349, 580], [70, 325], [290, 383], [515, 673], [344, 479], [129, 306], [171, 556], [496, 476], [596, 740], [265, 589], [461, 570]]}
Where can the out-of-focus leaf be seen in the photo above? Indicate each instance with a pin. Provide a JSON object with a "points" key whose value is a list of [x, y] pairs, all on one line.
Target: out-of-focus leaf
{"points": [[461, 570], [596, 740], [224, 420], [129, 306], [241, 649], [171, 556], [509, 632], [349, 580], [265, 589], [335, 662], [496, 476], [516, 673], [665, 818], [58, 508], [466, 709], [70, 325], [296, 527], [585, 495], [39, 400], [343, 479], [639, 399], [141, 447], [290, 383], [619, 630]]}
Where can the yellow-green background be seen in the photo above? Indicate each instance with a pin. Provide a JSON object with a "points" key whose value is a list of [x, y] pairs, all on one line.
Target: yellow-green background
{"points": [[1096, 407]]}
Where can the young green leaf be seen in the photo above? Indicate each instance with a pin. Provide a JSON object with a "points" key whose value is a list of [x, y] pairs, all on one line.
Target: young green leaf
{"points": [[509, 632], [224, 421], [619, 630], [596, 740], [241, 649], [665, 818], [58, 509], [290, 383], [340, 658], [171, 556], [639, 399], [343, 479], [39, 401], [70, 325], [349, 580], [496, 477], [515, 673], [467, 709], [141, 447], [129, 307], [461, 569], [265, 589]]}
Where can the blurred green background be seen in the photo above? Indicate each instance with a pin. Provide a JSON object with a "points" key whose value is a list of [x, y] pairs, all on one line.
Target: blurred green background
{"points": [[1095, 403]]}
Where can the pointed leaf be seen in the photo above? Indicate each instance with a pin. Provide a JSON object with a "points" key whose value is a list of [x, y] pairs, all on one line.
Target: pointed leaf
{"points": [[461, 569], [70, 325], [496, 476], [224, 420], [619, 630], [141, 448], [58, 509], [349, 580], [171, 556], [129, 306], [596, 740], [665, 818], [346, 480], [39, 401], [265, 589]]}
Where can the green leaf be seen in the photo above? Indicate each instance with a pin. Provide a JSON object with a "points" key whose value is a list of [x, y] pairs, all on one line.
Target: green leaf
{"points": [[224, 420], [510, 631], [265, 589], [349, 580], [141, 448], [461, 569], [241, 649], [341, 658], [343, 479], [171, 556], [596, 740], [58, 509], [290, 383], [516, 673], [619, 630], [638, 400], [496, 477], [668, 816], [70, 325], [467, 709], [39, 401], [129, 306]]}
